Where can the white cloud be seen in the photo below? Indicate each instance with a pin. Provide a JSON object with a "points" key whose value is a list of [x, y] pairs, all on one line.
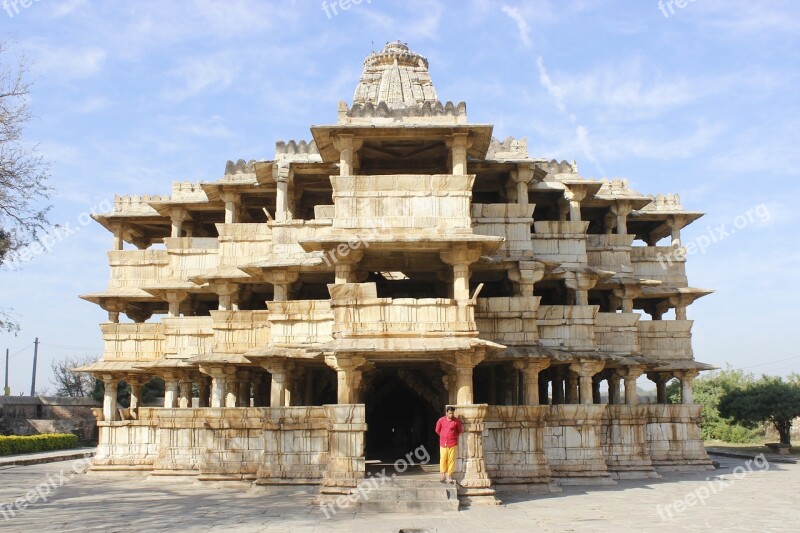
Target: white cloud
{"points": [[65, 64], [522, 24], [201, 74]]}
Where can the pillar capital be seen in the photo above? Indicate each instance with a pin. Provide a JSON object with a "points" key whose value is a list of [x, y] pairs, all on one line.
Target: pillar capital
{"points": [[349, 371], [527, 274], [580, 281], [347, 141], [523, 173], [532, 365], [621, 208], [458, 140], [460, 254]]}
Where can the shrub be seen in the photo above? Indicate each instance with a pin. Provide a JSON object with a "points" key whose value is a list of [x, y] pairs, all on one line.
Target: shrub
{"points": [[10, 445]]}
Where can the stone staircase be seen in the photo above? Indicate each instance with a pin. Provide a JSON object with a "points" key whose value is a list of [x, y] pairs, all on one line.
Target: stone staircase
{"points": [[408, 493]]}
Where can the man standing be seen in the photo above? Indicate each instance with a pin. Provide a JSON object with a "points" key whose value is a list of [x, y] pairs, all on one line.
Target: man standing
{"points": [[448, 428]]}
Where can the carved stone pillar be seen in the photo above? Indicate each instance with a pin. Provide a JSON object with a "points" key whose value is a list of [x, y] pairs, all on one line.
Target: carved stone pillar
{"points": [[574, 198], [475, 481], [178, 216], [621, 210], [345, 262], [522, 177], [630, 374], [135, 384], [185, 393], [174, 299], [228, 296], [585, 371], [571, 388], [231, 200], [530, 378], [464, 363], [460, 257], [613, 388], [110, 397], [219, 376], [458, 144], [281, 283], [348, 376], [626, 295], [348, 147], [660, 379], [581, 283], [527, 276], [687, 377]]}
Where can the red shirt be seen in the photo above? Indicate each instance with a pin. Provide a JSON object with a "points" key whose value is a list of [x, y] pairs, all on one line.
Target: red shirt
{"points": [[448, 431]]}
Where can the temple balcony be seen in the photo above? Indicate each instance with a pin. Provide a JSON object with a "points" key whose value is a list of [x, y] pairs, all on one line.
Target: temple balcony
{"points": [[569, 327], [403, 317], [560, 242], [300, 322], [187, 336], [510, 221], [403, 202], [191, 256], [661, 263], [133, 342], [285, 249], [617, 332], [240, 244], [666, 339], [510, 321], [610, 252], [132, 269], [240, 331]]}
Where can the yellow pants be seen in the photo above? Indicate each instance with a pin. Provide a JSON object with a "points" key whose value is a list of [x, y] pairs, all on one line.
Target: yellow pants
{"points": [[447, 459]]}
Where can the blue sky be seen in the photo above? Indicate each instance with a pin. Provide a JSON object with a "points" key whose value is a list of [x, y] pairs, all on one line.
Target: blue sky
{"points": [[702, 102]]}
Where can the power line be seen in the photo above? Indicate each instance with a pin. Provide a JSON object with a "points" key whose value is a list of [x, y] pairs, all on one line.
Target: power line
{"points": [[21, 350], [770, 362]]}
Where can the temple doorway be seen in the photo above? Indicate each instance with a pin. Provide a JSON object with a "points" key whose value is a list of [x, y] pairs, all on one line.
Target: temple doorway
{"points": [[402, 407]]}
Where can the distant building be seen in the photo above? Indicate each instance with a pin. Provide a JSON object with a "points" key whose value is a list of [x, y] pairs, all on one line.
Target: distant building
{"points": [[329, 303]]}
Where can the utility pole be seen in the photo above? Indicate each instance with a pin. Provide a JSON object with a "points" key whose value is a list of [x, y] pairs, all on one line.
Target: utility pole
{"points": [[7, 390], [35, 355]]}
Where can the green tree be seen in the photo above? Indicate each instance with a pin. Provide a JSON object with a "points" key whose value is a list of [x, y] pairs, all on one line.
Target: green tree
{"points": [[770, 399], [708, 390]]}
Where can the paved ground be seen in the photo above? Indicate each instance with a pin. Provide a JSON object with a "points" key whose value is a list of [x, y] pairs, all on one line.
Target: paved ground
{"points": [[47, 457], [761, 500]]}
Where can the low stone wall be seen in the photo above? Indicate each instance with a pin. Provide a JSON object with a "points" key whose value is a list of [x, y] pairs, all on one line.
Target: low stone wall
{"points": [[33, 415], [508, 448], [127, 444], [514, 448], [296, 446], [624, 440], [673, 438], [572, 444], [280, 445]]}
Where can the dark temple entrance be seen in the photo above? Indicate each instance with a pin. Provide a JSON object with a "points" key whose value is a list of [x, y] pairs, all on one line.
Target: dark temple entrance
{"points": [[402, 406]]}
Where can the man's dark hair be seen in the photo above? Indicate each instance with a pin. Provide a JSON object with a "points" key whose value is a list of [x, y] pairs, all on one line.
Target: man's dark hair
{"points": [[451, 408]]}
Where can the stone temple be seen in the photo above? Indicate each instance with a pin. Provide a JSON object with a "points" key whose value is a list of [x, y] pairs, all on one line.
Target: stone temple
{"points": [[312, 315]]}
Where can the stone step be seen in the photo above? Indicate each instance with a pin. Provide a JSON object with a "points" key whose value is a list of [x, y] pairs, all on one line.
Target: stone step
{"points": [[404, 495]]}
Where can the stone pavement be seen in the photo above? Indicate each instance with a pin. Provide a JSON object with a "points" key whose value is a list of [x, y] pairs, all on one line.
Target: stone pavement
{"points": [[761, 500], [46, 457]]}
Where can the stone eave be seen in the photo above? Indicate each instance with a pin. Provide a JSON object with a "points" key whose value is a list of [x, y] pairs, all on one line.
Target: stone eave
{"points": [[481, 136], [667, 291], [403, 240]]}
